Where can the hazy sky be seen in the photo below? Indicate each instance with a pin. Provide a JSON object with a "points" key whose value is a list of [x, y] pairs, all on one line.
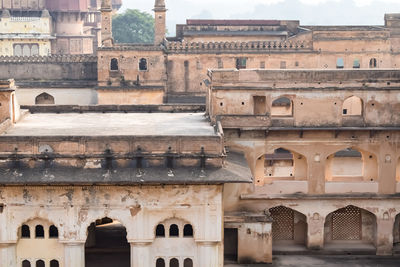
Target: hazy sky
{"points": [[318, 12]]}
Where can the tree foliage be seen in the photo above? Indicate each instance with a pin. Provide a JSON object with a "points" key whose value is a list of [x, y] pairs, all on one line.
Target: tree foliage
{"points": [[133, 26]]}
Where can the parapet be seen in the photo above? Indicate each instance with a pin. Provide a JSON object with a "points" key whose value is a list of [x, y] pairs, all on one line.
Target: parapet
{"points": [[177, 46], [49, 59]]}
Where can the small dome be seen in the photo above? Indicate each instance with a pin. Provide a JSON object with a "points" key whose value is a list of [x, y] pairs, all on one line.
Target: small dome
{"points": [[159, 3]]}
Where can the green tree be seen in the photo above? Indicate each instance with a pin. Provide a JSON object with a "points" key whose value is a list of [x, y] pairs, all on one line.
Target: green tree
{"points": [[133, 26]]}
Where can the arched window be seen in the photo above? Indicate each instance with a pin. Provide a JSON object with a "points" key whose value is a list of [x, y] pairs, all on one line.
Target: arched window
{"points": [[114, 64], [356, 64], [188, 230], [188, 263], [40, 263], [174, 263], [340, 63], [53, 232], [39, 232], [160, 262], [26, 50], [160, 231], [282, 107], [25, 231], [44, 99], [54, 263], [26, 263], [17, 50], [352, 106], [35, 50], [143, 64], [174, 230], [373, 63]]}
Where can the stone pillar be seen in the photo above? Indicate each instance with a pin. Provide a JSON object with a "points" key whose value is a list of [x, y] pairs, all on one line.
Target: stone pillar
{"points": [[208, 254], [8, 255], [387, 172], [316, 174], [140, 254], [74, 254], [255, 242], [315, 232], [384, 236]]}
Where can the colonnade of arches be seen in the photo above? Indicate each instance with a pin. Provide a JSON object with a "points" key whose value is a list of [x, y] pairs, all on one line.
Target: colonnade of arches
{"points": [[106, 244], [348, 228]]}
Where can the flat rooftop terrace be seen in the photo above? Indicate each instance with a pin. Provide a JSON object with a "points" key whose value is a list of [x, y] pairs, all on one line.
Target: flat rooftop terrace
{"points": [[112, 124]]}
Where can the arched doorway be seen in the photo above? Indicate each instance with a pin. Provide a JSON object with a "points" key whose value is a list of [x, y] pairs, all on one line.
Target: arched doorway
{"points": [[350, 229], [289, 229], [107, 245]]}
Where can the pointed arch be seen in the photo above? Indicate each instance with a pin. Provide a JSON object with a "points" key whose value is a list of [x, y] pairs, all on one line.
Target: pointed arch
{"points": [[282, 107], [351, 165], [44, 99], [350, 224], [289, 226]]}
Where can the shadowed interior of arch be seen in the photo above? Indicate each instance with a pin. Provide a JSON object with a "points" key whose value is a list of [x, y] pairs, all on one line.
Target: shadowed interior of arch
{"points": [[107, 245], [351, 165], [289, 229], [350, 228], [284, 165]]}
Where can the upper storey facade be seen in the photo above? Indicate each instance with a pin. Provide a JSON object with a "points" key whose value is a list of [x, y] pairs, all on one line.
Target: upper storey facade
{"points": [[177, 66]]}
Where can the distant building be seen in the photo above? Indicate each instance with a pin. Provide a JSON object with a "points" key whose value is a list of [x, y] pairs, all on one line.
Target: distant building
{"points": [[26, 36], [66, 27]]}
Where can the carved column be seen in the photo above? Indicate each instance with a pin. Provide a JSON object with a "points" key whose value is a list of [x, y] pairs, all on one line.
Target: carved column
{"points": [[140, 254]]}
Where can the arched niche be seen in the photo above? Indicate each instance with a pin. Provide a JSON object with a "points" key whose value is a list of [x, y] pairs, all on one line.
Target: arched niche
{"points": [[352, 106], [281, 165], [351, 165], [350, 228], [289, 227], [282, 107], [44, 99]]}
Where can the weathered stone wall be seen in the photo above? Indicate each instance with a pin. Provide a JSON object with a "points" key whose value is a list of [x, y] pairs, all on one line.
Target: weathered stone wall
{"points": [[49, 68], [139, 209]]}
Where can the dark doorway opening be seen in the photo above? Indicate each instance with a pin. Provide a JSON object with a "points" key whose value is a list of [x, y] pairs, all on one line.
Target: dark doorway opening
{"points": [[107, 245], [231, 244]]}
